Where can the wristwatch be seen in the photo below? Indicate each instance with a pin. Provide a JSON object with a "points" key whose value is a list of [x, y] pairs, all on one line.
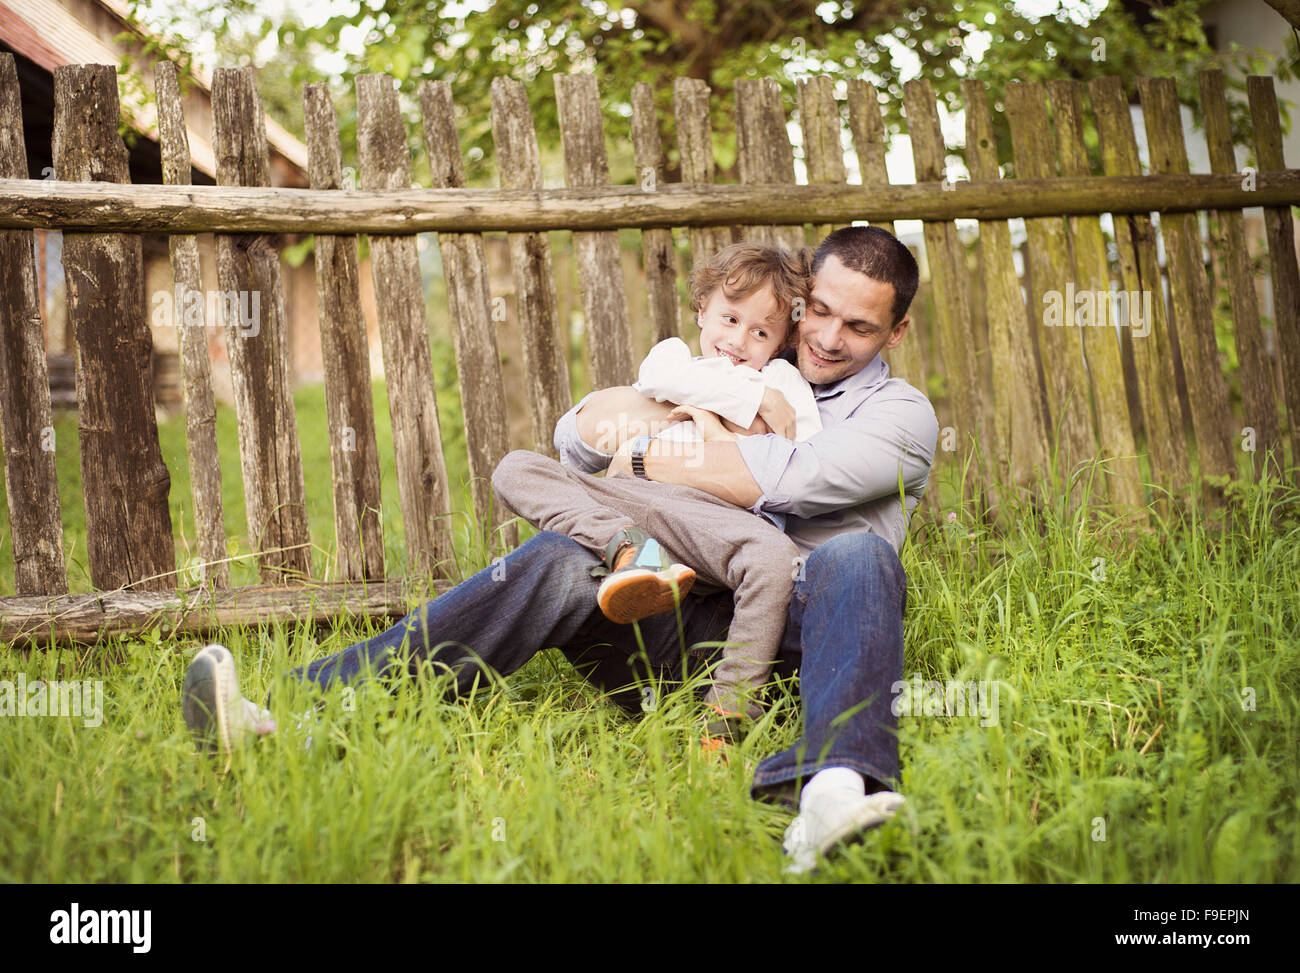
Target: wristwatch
{"points": [[639, 446]]}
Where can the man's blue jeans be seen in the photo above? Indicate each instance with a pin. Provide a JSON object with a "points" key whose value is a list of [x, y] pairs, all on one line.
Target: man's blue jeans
{"points": [[844, 635]]}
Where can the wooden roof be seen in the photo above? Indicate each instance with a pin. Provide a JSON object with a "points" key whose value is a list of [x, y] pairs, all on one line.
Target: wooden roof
{"points": [[51, 33]]}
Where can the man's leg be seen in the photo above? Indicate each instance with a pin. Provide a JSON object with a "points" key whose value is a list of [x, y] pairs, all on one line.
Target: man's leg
{"points": [[728, 546], [554, 498], [845, 627], [541, 595]]}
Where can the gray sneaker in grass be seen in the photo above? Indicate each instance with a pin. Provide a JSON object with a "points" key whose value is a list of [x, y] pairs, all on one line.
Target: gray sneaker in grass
{"points": [[218, 717]]}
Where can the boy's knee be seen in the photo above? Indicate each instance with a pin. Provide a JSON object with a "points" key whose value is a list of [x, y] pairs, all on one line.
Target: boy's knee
{"points": [[776, 563], [514, 465]]}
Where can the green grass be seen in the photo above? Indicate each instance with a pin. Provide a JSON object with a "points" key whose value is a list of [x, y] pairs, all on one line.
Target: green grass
{"points": [[1125, 693]]}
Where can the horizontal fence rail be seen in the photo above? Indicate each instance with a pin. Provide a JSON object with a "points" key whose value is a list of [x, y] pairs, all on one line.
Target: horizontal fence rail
{"points": [[200, 613], [102, 207], [1025, 384]]}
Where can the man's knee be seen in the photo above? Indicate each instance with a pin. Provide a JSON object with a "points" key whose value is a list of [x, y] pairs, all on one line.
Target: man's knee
{"points": [[555, 560], [860, 557], [548, 548]]}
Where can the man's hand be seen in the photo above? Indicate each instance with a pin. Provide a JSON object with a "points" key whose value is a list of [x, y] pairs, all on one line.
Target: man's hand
{"points": [[778, 413]]}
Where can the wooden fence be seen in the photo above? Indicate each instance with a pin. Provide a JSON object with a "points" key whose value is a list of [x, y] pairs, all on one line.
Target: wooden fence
{"points": [[1020, 383]]}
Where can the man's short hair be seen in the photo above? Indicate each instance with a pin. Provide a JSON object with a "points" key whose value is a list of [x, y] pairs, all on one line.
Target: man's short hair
{"points": [[742, 268], [877, 253]]}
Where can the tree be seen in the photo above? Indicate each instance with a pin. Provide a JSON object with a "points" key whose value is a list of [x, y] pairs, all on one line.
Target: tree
{"points": [[658, 40]]}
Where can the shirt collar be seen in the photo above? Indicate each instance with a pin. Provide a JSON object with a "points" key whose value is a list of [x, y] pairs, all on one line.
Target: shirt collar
{"points": [[872, 374]]}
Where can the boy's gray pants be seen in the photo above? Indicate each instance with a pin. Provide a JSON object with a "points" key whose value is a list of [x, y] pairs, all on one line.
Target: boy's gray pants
{"points": [[728, 546]]}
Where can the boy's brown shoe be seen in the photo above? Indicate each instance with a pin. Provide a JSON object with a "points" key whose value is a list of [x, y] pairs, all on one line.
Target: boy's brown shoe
{"points": [[641, 581]]}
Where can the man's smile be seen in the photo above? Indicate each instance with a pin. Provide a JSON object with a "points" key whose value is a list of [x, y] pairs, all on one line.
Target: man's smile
{"points": [[820, 358]]}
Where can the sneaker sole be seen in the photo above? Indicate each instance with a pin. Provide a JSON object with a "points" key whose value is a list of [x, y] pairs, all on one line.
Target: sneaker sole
{"points": [[872, 815], [630, 596], [201, 703]]}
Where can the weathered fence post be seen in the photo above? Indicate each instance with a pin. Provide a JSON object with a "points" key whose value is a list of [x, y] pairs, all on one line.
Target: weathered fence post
{"points": [[26, 423], [1050, 270], [1281, 251], [1101, 342], [349, 402], [124, 480], [252, 309], [819, 120], [1019, 417], [1255, 375], [544, 337], [1207, 389], [478, 363], [1153, 355], [695, 146], [947, 257], [189, 316], [600, 271], [385, 162], [763, 152], [659, 257]]}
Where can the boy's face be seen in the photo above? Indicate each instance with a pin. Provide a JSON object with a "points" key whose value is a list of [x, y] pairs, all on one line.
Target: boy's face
{"points": [[747, 330]]}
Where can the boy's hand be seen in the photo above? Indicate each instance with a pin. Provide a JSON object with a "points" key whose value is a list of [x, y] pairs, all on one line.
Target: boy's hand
{"points": [[712, 428], [778, 413]]}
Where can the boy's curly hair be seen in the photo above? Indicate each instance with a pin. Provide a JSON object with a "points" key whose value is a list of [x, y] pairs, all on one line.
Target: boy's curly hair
{"points": [[742, 268]]}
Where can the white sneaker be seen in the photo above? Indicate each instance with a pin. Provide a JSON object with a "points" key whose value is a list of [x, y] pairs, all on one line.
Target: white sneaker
{"points": [[830, 819], [218, 717]]}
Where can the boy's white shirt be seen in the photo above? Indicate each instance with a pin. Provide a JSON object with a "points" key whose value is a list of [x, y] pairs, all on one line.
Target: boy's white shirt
{"points": [[735, 392]]}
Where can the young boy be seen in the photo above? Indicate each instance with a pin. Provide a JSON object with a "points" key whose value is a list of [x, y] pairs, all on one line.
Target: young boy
{"points": [[747, 299]]}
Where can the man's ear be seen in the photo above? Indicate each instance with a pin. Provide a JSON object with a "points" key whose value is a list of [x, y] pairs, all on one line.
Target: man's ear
{"points": [[899, 330]]}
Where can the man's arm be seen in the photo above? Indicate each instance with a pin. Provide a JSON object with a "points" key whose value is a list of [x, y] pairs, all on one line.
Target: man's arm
{"points": [[715, 468], [614, 416], [849, 463]]}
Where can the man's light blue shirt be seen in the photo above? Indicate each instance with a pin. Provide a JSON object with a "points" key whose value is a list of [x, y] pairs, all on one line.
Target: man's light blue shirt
{"points": [[866, 470]]}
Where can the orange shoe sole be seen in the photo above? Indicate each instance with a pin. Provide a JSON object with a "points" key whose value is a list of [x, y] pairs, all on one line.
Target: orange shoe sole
{"points": [[629, 596]]}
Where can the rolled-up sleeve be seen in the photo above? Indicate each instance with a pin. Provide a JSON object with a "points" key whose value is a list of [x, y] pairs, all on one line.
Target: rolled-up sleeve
{"points": [[849, 463], [574, 452]]}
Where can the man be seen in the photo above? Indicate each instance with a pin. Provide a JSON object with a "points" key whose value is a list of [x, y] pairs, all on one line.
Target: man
{"points": [[844, 497]]}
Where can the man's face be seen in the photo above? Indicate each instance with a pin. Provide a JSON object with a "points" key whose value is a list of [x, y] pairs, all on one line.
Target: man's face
{"points": [[846, 325]]}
